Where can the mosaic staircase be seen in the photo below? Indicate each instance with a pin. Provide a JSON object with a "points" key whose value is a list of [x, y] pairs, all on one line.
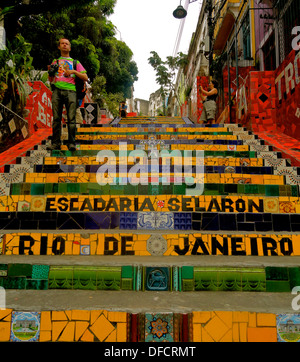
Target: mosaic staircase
{"points": [[150, 261]]}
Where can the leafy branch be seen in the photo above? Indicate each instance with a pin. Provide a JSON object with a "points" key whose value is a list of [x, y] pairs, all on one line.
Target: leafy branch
{"points": [[166, 71]]}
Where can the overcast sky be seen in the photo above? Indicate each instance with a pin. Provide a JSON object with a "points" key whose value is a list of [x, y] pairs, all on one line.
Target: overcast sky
{"points": [[146, 25]]}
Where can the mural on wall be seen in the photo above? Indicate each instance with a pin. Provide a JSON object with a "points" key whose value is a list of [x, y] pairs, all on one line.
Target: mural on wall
{"points": [[38, 114], [256, 108], [39, 107], [270, 100], [287, 79]]}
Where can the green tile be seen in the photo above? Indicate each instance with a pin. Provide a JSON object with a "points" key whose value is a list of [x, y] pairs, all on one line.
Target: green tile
{"points": [[40, 271], [253, 280], [84, 278], [15, 189], [271, 190], [276, 273], [251, 189], [187, 285], [127, 272], [294, 277], [37, 189], [48, 188], [62, 188], [19, 270], [73, 188], [61, 277], [108, 278], [13, 282], [3, 270], [126, 284], [187, 272], [37, 284], [277, 286]]}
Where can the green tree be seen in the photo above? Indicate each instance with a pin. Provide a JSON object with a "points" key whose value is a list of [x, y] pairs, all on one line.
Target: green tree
{"points": [[93, 42], [109, 100], [32, 7], [165, 72], [16, 64]]}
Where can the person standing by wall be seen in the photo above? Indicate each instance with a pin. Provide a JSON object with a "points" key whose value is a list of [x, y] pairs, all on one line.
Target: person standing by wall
{"points": [[62, 77], [209, 103], [123, 110]]}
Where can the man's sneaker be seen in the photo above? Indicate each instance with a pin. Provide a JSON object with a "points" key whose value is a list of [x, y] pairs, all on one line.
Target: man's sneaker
{"points": [[72, 147], [53, 147]]}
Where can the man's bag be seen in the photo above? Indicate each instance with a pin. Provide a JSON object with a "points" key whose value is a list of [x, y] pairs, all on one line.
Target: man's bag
{"points": [[80, 84]]}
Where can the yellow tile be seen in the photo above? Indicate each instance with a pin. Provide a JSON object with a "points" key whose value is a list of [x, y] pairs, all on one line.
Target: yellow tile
{"points": [[266, 320], [80, 315], [68, 333], [226, 317], [102, 328], [112, 337], [121, 332], [45, 336], [262, 335], [80, 328], [4, 331], [227, 337], [117, 316], [243, 332], [46, 324], [216, 328], [235, 332], [197, 333], [87, 336], [59, 316], [57, 328], [240, 316], [6, 314], [252, 319], [94, 315], [206, 337]]}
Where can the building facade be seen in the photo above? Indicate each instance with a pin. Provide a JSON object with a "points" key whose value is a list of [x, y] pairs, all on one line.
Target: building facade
{"points": [[250, 47]]}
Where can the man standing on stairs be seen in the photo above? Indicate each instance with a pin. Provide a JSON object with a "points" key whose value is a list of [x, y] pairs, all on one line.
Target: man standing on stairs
{"points": [[62, 77], [209, 102]]}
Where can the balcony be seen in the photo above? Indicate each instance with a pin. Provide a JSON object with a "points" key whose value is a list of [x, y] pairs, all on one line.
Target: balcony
{"points": [[224, 24]]}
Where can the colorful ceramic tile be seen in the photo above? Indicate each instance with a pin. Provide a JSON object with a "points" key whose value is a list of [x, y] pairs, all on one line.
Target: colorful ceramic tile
{"points": [[288, 327], [159, 327], [157, 245], [157, 279], [25, 326]]}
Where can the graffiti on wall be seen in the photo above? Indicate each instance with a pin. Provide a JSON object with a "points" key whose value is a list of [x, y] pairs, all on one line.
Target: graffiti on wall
{"points": [[39, 107]]}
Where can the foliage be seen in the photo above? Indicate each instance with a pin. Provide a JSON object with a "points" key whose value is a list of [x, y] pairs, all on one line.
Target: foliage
{"points": [[93, 42], [16, 64], [92, 36], [165, 71], [104, 99]]}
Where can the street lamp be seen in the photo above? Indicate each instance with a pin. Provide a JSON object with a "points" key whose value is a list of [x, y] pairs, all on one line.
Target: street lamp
{"points": [[180, 12]]}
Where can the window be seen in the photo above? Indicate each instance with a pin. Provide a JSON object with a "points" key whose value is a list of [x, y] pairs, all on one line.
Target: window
{"points": [[246, 37], [269, 53]]}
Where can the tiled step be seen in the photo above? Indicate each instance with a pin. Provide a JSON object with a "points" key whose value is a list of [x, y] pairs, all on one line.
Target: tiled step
{"points": [[233, 189], [149, 242], [27, 276], [107, 263]]}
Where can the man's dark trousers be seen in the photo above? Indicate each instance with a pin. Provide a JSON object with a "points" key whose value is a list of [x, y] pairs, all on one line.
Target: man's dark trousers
{"points": [[61, 97]]}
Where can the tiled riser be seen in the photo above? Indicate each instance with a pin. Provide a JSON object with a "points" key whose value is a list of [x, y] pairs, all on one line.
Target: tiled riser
{"points": [[96, 189], [186, 278], [172, 244], [260, 222], [108, 326]]}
